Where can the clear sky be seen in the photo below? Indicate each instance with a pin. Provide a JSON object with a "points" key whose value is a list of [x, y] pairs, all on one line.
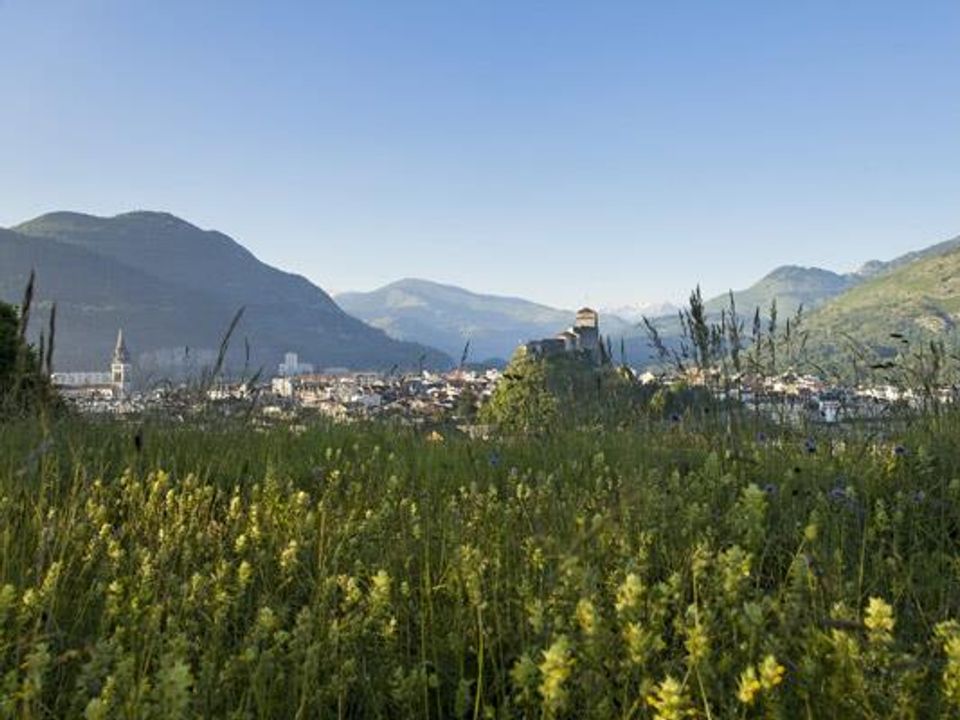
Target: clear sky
{"points": [[603, 152]]}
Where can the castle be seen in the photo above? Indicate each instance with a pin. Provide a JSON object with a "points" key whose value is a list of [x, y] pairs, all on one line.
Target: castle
{"points": [[583, 337]]}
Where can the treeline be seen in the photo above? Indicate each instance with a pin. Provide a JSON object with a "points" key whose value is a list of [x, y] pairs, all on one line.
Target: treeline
{"points": [[25, 369]]}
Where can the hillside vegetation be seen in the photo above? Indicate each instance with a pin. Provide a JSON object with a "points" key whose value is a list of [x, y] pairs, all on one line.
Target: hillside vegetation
{"points": [[919, 301]]}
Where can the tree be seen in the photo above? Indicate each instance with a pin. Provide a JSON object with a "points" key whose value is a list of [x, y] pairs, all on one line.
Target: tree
{"points": [[522, 402], [22, 381], [9, 346]]}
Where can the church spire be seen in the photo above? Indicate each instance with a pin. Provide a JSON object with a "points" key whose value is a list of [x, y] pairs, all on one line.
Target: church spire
{"points": [[120, 354]]}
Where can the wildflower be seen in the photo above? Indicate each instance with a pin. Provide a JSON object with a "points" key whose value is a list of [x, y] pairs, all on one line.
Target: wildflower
{"points": [[771, 672], [668, 700], [949, 635], [761, 437], [770, 489], [380, 589], [555, 669], [244, 571], [749, 686], [629, 593], [266, 620], [289, 555], [240, 543], [879, 619], [697, 643], [810, 446], [899, 451], [494, 459], [587, 617], [837, 494], [919, 496], [674, 418], [350, 588]]}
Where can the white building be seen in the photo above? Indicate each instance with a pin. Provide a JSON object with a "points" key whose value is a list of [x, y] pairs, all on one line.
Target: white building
{"points": [[291, 366], [115, 384]]}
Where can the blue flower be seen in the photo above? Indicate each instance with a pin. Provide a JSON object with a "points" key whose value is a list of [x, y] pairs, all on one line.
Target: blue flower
{"points": [[761, 437], [899, 451], [674, 418], [770, 489], [838, 494], [494, 459], [810, 445]]}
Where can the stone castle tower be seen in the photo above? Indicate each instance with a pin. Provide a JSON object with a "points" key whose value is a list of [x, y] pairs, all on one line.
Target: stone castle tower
{"points": [[121, 370], [587, 326]]}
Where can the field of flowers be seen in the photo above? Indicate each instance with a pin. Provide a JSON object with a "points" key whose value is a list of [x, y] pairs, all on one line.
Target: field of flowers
{"points": [[676, 569]]}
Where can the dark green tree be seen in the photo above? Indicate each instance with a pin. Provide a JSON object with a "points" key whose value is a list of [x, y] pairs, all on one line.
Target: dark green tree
{"points": [[23, 383], [522, 402], [9, 346]]}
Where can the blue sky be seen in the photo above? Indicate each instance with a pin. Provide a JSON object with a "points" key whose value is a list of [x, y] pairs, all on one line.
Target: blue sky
{"points": [[569, 152]]}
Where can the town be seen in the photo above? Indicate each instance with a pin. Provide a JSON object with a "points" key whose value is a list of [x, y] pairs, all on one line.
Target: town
{"points": [[296, 389]]}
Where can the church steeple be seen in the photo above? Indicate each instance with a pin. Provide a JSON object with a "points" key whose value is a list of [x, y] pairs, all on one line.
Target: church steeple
{"points": [[120, 353], [121, 369]]}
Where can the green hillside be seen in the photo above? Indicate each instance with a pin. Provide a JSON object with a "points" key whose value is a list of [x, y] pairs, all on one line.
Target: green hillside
{"points": [[919, 300], [792, 286]]}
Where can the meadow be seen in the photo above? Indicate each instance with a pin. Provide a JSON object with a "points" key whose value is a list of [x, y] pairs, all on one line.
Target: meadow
{"points": [[692, 567]]}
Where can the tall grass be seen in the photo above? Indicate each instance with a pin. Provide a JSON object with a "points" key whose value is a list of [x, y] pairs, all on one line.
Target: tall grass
{"points": [[673, 569]]}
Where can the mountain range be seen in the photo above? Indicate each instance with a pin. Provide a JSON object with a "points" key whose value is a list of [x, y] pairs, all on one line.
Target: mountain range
{"points": [[446, 317], [174, 288]]}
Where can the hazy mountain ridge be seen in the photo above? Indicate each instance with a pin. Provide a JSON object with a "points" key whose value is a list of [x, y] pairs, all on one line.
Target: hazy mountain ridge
{"points": [[636, 312], [171, 286], [446, 316], [792, 286]]}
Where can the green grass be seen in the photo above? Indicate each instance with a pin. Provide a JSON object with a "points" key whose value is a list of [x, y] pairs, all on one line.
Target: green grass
{"points": [[669, 570]]}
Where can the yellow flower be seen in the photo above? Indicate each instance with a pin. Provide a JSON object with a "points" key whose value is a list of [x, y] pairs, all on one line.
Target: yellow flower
{"points": [[949, 635], [587, 617], [879, 618], [629, 593], [244, 571], [668, 700], [749, 686], [380, 589], [697, 643], [289, 555], [771, 672], [555, 669]]}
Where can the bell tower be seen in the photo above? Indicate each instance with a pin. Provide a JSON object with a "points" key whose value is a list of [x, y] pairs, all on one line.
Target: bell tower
{"points": [[121, 369]]}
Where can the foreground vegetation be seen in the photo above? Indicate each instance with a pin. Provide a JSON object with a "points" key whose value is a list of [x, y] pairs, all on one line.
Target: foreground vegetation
{"points": [[686, 567]]}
